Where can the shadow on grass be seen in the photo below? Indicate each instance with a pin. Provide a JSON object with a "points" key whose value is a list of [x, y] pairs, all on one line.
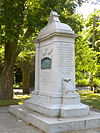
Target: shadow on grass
{"points": [[91, 99], [17, 99]]}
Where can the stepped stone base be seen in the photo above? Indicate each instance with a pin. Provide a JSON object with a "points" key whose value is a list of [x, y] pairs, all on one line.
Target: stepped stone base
{"points": [[52, 107], [56, 125]]}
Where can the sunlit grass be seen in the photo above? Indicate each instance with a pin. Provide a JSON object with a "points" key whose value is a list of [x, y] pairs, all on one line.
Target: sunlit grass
{"points": [[90, 98], [87, 97], [17, 99]]}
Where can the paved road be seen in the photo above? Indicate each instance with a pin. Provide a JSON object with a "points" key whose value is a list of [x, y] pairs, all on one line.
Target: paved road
{"points": [[11, 124]]}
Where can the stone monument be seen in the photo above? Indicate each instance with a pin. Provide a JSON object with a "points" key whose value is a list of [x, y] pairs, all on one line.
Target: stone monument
{"points": [[55, 107]]}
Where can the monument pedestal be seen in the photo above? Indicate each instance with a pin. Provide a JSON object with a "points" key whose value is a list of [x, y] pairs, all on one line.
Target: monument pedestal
{"points": [[55, 107], [67, 106]]}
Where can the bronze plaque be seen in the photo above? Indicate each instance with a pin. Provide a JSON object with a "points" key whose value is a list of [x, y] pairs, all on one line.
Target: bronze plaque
{"points": [[46, 63]]}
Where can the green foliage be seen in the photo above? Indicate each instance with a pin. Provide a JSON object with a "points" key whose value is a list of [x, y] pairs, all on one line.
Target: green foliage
{"points": [[96, 84], [75, 21], [92, 33], [85, 60], [82, 82], [21, 20], [26, 58], [17, 86], [12, 14], [88, 52], [26, 62], [1, 57]]}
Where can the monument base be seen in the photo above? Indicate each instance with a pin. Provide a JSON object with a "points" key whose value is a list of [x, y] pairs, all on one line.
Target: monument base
{"points": [[56, 125], [66, 106]]}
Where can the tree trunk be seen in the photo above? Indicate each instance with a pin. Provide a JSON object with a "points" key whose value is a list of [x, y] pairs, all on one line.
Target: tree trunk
{"points": [[6, 76], [91, 83], [6, 86], [25, 78]]}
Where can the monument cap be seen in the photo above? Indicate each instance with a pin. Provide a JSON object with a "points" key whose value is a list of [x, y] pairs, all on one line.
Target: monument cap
{"points": [[54, 26]]}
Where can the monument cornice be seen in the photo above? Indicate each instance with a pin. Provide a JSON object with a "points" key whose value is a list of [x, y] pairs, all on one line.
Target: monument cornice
{"points": [[64, 34]]}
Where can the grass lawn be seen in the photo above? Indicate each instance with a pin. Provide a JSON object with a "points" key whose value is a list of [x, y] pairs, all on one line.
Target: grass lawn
{"points": [[18, 99], [90, 98], [87, 97]]}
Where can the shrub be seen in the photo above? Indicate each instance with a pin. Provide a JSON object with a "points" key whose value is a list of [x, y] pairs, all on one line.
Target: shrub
{"points": [[82, 82]]}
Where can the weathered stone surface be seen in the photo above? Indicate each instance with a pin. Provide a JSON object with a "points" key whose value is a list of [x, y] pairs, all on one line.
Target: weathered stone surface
{"points": [[56, 124], [28, 128]]}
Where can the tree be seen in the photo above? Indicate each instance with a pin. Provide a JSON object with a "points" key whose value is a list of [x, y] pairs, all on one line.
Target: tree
{"points": [[26, 62], [88, 52], [85, 61], [92, 33], [93, 37], [11, 22], [19, 20]]}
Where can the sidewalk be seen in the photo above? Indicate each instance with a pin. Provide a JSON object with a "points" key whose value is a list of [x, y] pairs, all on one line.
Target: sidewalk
{"points": [[12, 124]]}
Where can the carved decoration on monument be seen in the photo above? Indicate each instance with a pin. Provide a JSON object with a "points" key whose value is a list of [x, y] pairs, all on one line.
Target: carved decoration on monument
{"points": [[49, 53], [46, 52], [54, 17], [68, 86], [46, 63]]}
